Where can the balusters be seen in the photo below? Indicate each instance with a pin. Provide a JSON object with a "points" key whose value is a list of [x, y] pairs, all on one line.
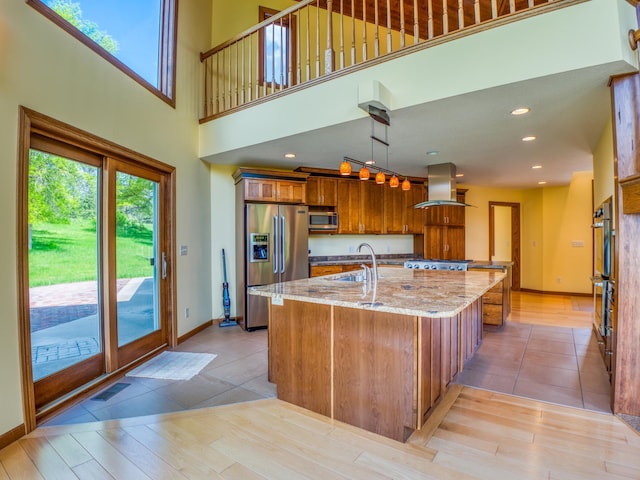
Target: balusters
{"points": [[317, 39], [416, 26], [364, 30], [445, 17], [341, 35], [402, 32], [308, 77], [353, 32], [329, 54], [389, 43], [376, 39], [261, 61]]}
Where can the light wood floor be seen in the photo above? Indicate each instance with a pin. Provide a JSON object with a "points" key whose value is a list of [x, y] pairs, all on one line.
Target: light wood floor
{"points": [[474, 434], [483, 435]]}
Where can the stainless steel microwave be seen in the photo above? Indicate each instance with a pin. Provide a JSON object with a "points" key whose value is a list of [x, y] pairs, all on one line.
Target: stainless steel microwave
{"points": [[323, 221]]}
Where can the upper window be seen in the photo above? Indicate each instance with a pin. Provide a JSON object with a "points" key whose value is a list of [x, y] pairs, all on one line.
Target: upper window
{"points": [[277, 49], [137, 37]]}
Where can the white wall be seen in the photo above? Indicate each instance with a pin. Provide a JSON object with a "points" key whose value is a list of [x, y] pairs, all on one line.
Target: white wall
{"points": [[44, 68]]}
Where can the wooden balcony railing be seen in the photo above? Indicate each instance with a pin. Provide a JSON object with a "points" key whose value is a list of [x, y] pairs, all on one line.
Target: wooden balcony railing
{"points": [[318, 39]]}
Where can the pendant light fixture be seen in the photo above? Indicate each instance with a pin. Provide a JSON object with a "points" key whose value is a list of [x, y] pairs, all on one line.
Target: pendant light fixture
{"points": [[380, 116]]}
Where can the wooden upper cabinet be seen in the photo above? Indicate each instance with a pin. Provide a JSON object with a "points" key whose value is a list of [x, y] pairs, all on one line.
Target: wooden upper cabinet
{"points": [[446, 214], [322, 191], [348, 206], [400, 216], [271, 185], [370, 207]]}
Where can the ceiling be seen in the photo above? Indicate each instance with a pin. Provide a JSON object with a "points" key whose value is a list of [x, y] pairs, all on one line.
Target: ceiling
{"points": [[475, 131]]}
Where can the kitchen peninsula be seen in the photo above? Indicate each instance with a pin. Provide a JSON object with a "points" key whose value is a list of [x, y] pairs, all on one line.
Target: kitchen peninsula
{"points": [[377, 355]]}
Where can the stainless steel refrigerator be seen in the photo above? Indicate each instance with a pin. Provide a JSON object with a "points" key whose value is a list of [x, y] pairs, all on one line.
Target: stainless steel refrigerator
{"points": [[275, 246]]}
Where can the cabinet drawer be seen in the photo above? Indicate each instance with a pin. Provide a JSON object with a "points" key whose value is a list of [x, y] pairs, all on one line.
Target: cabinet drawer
{"points": [[320, 270], [494, 298], [492, 314]]}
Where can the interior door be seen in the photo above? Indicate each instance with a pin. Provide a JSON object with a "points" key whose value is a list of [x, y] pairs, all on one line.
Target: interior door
{"points": [[138, 262]]}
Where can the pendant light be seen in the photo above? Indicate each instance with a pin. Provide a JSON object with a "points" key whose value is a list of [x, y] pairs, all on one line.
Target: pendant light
{"points": [[345, 168], [406, 185], [364, 173], [394, 182]]}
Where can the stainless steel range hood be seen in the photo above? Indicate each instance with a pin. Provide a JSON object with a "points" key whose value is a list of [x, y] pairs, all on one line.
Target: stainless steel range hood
{"points": [[441, 186]]}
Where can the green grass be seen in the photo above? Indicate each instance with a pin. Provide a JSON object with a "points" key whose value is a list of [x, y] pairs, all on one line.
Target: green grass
{"points": [[68, 253]]}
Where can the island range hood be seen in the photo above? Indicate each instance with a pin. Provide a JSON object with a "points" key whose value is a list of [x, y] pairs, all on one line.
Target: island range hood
{"points": [[441, 186]]}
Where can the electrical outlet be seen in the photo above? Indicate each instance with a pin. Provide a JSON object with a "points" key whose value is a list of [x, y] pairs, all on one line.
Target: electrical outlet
{"points": [[352, 249], [388, 248], [559, 280], [186, 312]]}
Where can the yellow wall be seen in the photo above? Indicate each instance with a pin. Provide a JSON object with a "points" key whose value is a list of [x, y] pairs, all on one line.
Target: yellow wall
{"points": [[567, 236], [550, 220], [603, 175], [44, 68]]}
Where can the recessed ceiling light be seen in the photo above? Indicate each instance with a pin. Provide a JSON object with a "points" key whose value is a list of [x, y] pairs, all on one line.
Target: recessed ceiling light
{"points": [[289, 155], [541, 183], [530, 138], [520, 111], [536, 167], [433, 152]]}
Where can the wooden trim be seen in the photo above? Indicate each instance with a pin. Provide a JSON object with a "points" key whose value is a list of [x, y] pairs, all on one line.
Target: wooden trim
{"points": [[195, 331], [458, 34], [12, 435], [515, 239], [166, 96], [54, 134], [545, 292], [22, 227]]}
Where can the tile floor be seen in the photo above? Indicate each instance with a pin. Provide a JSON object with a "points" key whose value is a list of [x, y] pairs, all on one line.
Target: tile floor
{"points": [[237, 374], [553, 364], [549, 363]]}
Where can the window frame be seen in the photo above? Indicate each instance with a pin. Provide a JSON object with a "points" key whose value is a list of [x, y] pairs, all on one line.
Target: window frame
{"points": [[264, 13], [166, 89]]}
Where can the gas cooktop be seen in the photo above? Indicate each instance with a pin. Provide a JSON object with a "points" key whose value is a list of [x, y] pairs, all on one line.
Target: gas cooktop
{"points": [[433, 264]]}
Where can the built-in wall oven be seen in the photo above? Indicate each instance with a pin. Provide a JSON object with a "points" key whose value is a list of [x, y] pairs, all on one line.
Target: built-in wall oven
{"points": [[604, 280]]}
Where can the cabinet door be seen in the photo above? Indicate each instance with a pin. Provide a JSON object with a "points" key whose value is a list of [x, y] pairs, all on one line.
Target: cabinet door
{"points": [[434, 242], [370, 207], [393, 205], [454, 241], [414, 217], [348, 206], [322, 191], [293, 192], [260, 190], [313, 191]]}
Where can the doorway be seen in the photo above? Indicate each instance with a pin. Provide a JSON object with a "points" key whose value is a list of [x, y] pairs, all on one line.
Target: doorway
{"points": [[504, 236], [96, 232]]}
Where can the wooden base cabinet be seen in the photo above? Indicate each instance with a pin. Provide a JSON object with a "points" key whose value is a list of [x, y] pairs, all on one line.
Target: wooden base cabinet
{"points": [[378, 371]]}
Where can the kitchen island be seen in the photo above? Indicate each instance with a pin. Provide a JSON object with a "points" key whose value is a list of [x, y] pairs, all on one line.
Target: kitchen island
{"points": [[375, 355]]}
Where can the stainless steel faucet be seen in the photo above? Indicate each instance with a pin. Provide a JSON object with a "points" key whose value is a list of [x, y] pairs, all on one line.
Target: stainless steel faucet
{"points": [[373, 260]]}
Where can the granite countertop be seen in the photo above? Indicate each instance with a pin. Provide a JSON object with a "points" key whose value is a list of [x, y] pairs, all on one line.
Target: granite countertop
{"points": [[425, 293]]}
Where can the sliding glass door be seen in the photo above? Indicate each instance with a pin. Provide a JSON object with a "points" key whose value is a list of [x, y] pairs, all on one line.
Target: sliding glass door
{"points": [[96, 265]]}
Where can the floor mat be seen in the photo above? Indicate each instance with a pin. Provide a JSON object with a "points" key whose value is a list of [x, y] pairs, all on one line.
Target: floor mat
{"points": [[110, 392], [173, 366]]}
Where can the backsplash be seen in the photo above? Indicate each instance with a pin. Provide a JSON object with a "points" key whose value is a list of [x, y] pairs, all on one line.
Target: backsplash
{"points": [[328, 245]]}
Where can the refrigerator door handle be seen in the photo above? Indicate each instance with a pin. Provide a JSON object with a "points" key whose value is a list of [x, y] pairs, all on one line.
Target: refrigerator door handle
{"points": [[276, 239], [282, 230]]}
